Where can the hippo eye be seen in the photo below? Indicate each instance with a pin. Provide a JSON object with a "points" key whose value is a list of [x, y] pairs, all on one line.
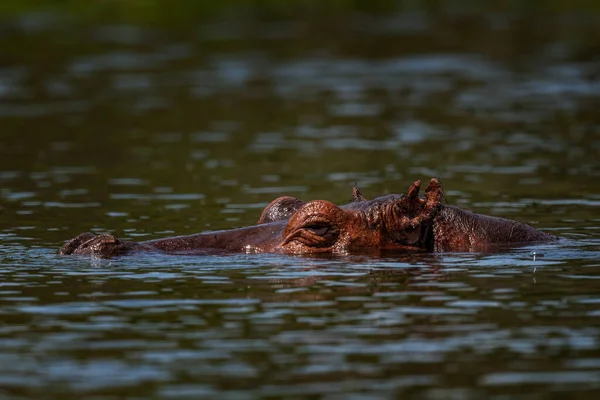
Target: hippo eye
{"points": [[316, 234], [314, 228], [318, 229]]}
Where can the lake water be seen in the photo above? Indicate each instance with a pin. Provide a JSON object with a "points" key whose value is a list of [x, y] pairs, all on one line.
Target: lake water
{"points": [[151, 131]]}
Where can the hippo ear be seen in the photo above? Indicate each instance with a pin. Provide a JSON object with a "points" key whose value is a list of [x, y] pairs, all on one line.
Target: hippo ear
{"points": [[279, 209], [315, 227], [411, 216], [434, 193], [412, 200], [357, 195]]}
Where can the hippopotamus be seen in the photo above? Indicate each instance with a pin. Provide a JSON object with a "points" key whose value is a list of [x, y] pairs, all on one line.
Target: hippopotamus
{"points": [[394, 222]]}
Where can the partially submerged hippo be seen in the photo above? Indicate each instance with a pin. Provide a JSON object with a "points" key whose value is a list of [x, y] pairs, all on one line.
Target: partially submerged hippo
{"points": [[401, 222]]}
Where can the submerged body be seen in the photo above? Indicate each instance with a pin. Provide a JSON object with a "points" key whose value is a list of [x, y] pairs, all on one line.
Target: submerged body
{"points": [[291, 226]]}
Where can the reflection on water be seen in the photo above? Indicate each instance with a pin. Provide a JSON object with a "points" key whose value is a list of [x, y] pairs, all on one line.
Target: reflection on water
{"points": [[225, 325], [145, 132]]}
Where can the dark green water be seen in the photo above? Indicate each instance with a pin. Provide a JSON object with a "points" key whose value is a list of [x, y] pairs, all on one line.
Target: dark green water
{"points": [[146, 132]]}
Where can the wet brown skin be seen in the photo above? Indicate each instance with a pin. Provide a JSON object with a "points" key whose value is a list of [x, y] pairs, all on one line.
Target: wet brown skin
{"points": [[287, 225]]}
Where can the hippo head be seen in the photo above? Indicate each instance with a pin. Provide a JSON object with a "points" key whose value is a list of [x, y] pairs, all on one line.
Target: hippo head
{"points": [[291, 226], [392, 222]]}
